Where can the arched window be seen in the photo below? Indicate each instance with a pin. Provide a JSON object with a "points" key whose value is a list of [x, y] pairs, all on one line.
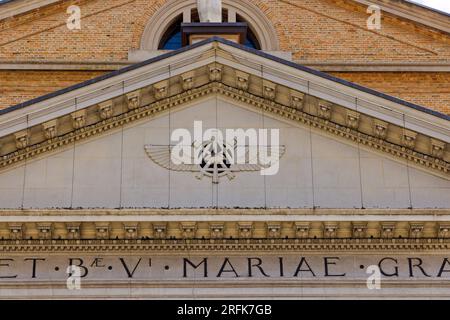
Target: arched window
{"points": [[162, 32], [172, 39]]}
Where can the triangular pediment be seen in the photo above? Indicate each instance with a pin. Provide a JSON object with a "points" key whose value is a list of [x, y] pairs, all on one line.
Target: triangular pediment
{"points": [[117, 169], [350, 113]]}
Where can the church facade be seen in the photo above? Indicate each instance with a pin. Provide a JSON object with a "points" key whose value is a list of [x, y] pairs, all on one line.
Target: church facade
{"points": [[225, 149]]}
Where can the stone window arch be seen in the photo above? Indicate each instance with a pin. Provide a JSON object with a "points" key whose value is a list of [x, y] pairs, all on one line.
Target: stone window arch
{"points": [[162, 26]]}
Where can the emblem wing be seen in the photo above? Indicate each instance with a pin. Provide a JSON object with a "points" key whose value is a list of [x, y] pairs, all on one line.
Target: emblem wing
{"points": [[253, 163], [161, 155]]}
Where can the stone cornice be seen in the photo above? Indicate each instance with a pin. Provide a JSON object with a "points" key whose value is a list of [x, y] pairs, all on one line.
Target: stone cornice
{"points": [[183, 214], [226, 245], [410, 11], [322, 66], [285, 103], [407, 10]]}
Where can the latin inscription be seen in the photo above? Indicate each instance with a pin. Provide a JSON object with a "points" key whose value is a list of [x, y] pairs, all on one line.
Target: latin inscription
{"points": [[226, 267]]}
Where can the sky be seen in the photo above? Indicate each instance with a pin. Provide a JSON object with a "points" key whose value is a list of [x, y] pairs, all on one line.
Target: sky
{"points": [[443, 5]]}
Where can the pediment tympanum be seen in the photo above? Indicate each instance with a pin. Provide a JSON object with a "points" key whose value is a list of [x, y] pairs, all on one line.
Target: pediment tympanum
{"points": [[340, 146]]}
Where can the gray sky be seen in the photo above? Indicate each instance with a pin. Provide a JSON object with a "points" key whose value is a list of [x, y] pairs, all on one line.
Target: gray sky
{"points": [[443, 5]]}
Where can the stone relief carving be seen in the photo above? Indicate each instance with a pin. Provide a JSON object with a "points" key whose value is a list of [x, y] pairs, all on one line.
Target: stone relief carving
{"points": [[210, 10], [105, 110], [50, 129]]}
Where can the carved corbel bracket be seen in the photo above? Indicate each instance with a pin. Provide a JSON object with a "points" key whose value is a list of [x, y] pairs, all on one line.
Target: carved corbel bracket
{"points": [[242, 80], [330, 229], [188, 229], [437, 148], [269, 90], [187, 80], [416, 230], [73, 230], [324, 110], [215, 72], [45, 230], [359, 229], [409, 138], [134, 100], [161, 89], [16, 231], [245, 230], [160, 230], [79, 119], [102, 230], [131, 230], [352, 119], [50, 129], [387, 229], [106, 110], [380, 128], [22, 139], [444, 230], [297, 100], [302, 229], [273, 230], [217, 230]]}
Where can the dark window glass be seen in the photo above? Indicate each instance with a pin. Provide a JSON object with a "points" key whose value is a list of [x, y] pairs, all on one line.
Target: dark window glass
{"points": [[172, 38]]}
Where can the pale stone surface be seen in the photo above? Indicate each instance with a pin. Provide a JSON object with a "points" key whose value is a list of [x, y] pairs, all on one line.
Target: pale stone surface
{"points": [[168, 275], [114, 171], [11, 188]]}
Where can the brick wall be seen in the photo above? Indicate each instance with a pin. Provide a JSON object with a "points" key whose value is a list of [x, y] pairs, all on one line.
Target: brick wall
{"points": [[430, 90], [427, 89], [313, 30], [20, 86]]}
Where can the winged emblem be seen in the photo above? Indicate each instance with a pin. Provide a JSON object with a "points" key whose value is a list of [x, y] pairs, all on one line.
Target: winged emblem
{"points": [[214, 160]]}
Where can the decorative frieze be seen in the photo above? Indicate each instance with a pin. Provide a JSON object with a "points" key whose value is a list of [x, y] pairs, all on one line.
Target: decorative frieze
{"points": [[50, 129], [134, 230], [106, 110], [242, 80], [161, 89], [380, 128], [133, 100], [409, 138], [352, 119], [79, 119], [21, 139]]}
